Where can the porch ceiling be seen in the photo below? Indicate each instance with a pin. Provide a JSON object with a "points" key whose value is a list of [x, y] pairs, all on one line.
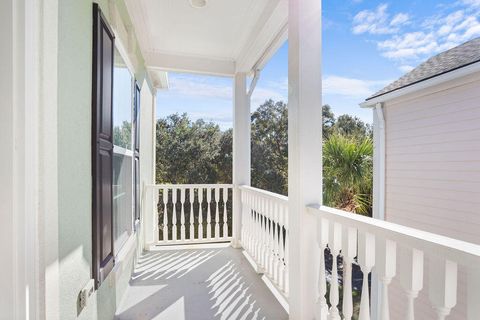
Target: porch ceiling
{"points": [[224, 37]]}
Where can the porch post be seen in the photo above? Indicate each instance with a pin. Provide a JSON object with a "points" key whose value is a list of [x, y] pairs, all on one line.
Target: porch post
{"points": [[304, 152], [241, 150]]}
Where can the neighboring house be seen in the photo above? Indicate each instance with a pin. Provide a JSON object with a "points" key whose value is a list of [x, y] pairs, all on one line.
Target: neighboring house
{"points": [[427, 150]]}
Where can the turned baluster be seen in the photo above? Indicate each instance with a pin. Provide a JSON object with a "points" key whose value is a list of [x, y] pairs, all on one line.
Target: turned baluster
{"points": [[411, 277], [182, 214], [287, 256], [281, 250], [322, 241], [156, 231], [174, 214], [200, 214], [217, 214], [335, 244], [349, 252], [386, 264], [366, 260], [209, 214], [225, 218], [191, 198], [165, 215], [275, 242], [442, 285]]}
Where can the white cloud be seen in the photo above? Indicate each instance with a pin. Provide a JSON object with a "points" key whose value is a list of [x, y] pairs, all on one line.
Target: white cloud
{"points": [[275, 90], [473, 3], [351, 87], [400, 19], [200, 86], [378, 21], [437, 33]]}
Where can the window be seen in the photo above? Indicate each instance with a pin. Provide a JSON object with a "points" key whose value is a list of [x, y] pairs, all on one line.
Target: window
{"points": [[122, 152]]}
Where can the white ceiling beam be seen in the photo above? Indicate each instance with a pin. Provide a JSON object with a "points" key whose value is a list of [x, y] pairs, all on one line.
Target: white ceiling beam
{"points": [[190, 64], [268, 35]]}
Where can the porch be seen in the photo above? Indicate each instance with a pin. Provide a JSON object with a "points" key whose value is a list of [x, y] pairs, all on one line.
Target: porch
{"points": [[207, 281], [194, 270]]}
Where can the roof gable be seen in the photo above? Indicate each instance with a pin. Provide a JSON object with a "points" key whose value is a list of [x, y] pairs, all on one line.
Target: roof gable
{"points": [[455, 58]]}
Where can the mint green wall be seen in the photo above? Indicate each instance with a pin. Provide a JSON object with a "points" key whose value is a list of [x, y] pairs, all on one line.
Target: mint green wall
{"points": [[74, 150], [74, 168]]}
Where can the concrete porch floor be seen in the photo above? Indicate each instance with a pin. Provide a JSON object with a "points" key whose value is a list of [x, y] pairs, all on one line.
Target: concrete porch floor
{"points": [[196, 282]]}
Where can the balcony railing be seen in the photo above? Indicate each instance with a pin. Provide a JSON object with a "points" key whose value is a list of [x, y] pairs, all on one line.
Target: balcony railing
{"points": [[203, 213], [192, 213], [380, 245], [265, 233]]}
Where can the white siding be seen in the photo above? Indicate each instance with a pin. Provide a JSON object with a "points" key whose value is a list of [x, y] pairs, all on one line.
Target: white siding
{"points": [[433, 171]]}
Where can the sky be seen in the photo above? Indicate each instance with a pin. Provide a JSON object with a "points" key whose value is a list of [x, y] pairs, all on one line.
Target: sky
{"points": [[366, 45]]}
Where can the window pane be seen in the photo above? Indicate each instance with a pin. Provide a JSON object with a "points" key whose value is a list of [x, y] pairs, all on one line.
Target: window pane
{"points": [[122, 159], [122, 104], [122, 198]]}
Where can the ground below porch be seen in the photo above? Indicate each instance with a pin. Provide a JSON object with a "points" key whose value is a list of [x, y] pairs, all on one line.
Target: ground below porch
{"points": [[196, 282]]}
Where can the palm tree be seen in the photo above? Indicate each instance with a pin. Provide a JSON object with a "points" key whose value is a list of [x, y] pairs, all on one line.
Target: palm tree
{"points": [[347, 170]]}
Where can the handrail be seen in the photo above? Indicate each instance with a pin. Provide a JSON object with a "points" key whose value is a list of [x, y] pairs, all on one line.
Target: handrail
{"points": [[269, 194], [464, 253], [186, 186]]}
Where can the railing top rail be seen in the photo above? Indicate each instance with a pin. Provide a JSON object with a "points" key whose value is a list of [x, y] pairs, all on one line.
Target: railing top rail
{"points": [[464, 253], [187, 186], [272, 195]]}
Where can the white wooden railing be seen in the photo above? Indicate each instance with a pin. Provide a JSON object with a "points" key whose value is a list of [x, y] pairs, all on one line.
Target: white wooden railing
{"points": [[191, 213], [265, 233], [378, 244]]}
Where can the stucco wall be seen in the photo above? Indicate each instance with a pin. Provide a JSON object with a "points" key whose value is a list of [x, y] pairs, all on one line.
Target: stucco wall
{"points": [[74, 170], [432, 172], [74, 151]]}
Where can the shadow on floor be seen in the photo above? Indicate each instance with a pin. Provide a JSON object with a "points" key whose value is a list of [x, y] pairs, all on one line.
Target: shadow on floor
{"points": [[192, 283]]}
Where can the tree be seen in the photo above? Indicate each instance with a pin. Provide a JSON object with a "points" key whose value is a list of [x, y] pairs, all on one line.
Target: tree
{"points": [[350, 126], [186, 151], [199, 152], [347, 173], [328, 119], [270, 147], [224, 160]]}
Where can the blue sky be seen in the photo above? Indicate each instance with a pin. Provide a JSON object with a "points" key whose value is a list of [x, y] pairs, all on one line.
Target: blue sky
{"points": [[366, 45]]}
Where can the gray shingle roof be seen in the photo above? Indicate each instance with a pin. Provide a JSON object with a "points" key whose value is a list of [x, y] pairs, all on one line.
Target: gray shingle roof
{"points": [[455, 58]]}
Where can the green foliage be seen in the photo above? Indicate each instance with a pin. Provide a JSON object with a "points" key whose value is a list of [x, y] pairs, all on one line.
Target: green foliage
{"points": [[270, 147], [122, 135], [347, 173], [347, 125], [328, 119], [187, 151], [199, 152]]}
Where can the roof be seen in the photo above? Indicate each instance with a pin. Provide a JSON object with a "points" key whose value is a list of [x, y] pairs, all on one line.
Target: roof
{"points": [[453, 59]]}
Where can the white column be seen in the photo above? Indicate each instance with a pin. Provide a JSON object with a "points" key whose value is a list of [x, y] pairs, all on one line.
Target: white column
{"points": [[304, 152], [241, 149]]}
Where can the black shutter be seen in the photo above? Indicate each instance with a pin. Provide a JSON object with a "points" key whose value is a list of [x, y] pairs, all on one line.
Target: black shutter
{"points": [[136, 150], [102, 147]]}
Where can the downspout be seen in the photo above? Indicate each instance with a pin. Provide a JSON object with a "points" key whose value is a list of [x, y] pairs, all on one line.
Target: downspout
{"points": [[378, 194], [379, 166]]}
